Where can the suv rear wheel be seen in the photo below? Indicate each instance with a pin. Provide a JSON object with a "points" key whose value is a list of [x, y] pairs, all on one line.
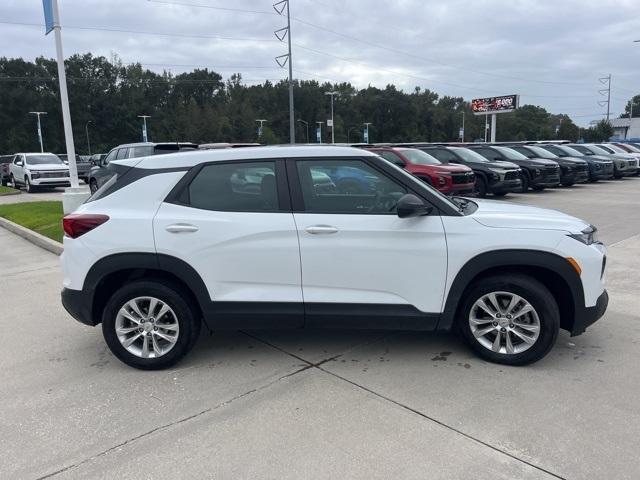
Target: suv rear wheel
{"points": [[511, 319], [148, 325]]}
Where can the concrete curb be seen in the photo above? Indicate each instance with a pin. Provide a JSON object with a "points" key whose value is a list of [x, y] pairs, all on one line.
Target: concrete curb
{"points": [[33, 237], [8, 194]]}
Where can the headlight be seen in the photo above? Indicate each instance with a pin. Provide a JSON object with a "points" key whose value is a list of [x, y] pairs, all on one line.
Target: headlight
{"points": [[496, 174], [586, 236], [33, 174]]}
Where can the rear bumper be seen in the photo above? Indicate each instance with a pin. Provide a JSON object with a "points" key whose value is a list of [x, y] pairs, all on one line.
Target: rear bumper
{"points": [[589, 315], [78, 304]]}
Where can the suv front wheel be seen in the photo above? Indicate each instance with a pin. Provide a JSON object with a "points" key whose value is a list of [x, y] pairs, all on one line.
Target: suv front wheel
{"points": [[511, 319], [148, 325]]}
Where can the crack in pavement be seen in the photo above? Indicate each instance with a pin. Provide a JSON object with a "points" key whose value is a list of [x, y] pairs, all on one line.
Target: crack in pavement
{"points": [[318, 365], [176, 422]]}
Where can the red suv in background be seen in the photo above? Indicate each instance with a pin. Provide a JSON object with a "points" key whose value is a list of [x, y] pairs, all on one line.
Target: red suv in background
{"points": [[448, 179]]}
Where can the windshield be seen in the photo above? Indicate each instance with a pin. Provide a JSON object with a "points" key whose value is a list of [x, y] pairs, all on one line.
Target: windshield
{"points": [[615, 148], [43, 160], [607, 148], [597, 150], [632, 148], [511, 154], [570, 151], [418, 157], [469, 155], [542, 153], [582, 149]]}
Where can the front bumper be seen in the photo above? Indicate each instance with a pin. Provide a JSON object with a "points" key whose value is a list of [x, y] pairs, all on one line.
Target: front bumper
{"points": [[51, 182], [589, 315], [505, 186], [78, 304]]}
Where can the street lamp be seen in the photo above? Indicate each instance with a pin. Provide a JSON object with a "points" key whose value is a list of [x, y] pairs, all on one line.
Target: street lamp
{"points": [[144, 127], [261, 122], [366, 131], [39, 128], [319, 132], [86, 129], [333, 128], [306, 124]]}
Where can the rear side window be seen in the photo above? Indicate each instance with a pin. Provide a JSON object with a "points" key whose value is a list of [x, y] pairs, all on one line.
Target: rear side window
{"points": [[135, 152], [234, 187]]}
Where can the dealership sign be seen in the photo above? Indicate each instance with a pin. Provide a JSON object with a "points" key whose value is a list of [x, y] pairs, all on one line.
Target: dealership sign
{"points": [[484, 106]]}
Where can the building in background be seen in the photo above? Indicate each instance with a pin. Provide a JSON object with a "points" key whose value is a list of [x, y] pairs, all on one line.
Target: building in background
{"points": [[626, 128]]}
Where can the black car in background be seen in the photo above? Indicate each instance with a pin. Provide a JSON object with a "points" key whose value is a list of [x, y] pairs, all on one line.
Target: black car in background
{"points": [[83, 165], [599, 169], [99, 174], [572, 170], [537, 173], [496, 177]]}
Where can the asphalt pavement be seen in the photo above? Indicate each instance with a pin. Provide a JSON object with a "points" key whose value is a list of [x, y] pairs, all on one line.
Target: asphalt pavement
{"points": [[319, 405]]}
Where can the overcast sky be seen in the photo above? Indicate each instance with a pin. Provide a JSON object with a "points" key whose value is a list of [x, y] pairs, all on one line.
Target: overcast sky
{"points": [[552, 53]]}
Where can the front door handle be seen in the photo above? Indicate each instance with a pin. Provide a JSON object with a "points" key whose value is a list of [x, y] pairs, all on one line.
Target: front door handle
{"points": [[321, 229], [181, 228]]}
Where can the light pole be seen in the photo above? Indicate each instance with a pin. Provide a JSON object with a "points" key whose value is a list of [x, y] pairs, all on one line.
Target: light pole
{"points": [[144, 127], [39, 128], [306, 124], [462, 129], [333, 128], [319, 132], [366, 132], [261, 122], [86, 129]]}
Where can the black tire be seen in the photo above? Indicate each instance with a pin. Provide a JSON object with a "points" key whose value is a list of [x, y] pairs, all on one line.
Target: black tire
{"points": [[12, 182], [533, 292], [525, 183], [568, 184], [4, 182], [93, 185], [173, 296], [480, 187], [27, 186], [538, 188], [499, 194]]}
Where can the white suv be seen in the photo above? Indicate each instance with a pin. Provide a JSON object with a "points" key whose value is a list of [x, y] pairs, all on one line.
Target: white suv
{"points": [[35, 170], [319, 236]]}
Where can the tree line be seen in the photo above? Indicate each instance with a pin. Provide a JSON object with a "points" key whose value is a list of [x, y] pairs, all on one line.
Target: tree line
{"points": [[106, 97]]}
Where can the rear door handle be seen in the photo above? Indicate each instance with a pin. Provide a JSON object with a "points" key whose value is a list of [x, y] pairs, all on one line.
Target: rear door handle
{"points": [[181, 228], [321, 229]]}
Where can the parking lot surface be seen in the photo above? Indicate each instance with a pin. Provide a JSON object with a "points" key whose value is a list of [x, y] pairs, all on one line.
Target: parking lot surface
{"points": [[324, 404]]}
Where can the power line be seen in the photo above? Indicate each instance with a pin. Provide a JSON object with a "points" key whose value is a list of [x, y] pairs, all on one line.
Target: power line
{"points": [[142, 32], [212, 7]]}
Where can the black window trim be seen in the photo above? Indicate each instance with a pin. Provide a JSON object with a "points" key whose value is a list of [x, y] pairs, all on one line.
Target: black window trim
{"points": [[282, 187], [377, 163]]}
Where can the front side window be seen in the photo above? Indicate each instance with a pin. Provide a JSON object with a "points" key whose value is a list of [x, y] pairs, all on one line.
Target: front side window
{"points": [[122, 153], [357, 188], [110, 157], [234, 187]]}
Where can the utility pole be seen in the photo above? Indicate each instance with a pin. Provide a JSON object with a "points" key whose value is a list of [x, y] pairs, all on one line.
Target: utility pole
{"points": [[283, 59], [306, 124], [39, 128], [144, 127], [462, 129], [319, 132], [86, 129], [606, 91], [333, 128], [365, 137], [261, 122], [486, 126]]}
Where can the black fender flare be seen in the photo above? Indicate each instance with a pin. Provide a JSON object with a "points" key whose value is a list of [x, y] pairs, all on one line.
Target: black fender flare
{"points": [[145, 261], [514, 259]]}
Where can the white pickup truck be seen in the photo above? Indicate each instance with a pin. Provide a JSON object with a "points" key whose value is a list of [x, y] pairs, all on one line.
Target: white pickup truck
{"points": [[38, 170]]}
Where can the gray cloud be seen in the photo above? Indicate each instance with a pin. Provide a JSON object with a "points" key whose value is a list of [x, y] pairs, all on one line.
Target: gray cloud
{"points": [[552, 53]]}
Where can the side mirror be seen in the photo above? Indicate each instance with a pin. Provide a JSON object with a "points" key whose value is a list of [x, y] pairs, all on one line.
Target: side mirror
{"points": [[410, 206], [20, 163]]}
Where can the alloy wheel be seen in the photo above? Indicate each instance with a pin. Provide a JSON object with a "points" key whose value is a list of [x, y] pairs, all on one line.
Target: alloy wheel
{"points": [[147, 327], [504, 322]]}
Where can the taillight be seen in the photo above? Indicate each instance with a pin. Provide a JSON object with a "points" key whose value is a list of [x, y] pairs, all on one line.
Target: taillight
{"points": [[77, 224]]}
